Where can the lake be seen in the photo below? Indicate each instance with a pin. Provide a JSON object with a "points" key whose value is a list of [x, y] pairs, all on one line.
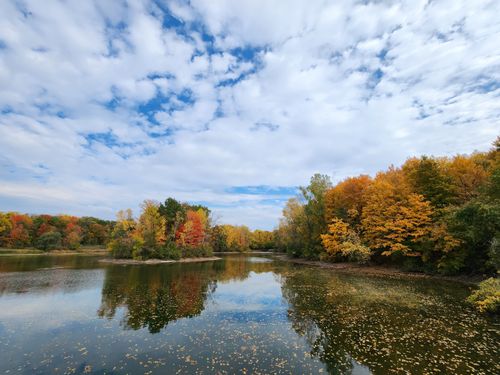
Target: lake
{"points": [[239, 315]]}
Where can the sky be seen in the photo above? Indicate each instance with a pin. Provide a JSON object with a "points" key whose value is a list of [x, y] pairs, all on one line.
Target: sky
{"points": [[233, 104]]}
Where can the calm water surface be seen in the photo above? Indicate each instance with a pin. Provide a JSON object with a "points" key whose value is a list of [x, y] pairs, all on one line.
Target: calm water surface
{"points": [[242, 314]]}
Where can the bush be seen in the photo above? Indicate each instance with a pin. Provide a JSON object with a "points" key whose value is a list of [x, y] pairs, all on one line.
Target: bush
{"points": [[487, 297], [123, 247], [197, 252], [355, 252], [49, 241], [170, 251]]}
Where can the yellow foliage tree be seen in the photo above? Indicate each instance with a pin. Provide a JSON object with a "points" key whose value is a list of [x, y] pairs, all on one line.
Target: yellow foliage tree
{"points": [[468, 175], [394, 217], [151, 225], [125, 220], [5, 227], [341, 240], [347, 199], [237, 237], [261, 239]]}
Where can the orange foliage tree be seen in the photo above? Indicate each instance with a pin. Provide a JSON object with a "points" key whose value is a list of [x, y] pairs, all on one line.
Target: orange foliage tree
{"points": [[19, 235], [192, 233], [347, 199]]}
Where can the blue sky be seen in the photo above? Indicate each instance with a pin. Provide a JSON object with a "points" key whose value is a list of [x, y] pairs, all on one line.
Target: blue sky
{"points": [[233, 103]]}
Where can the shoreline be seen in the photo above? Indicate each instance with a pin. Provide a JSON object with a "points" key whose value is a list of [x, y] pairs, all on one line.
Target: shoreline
{"points": [[261, 252], [157, 261], [371, 270], [32, 251]]}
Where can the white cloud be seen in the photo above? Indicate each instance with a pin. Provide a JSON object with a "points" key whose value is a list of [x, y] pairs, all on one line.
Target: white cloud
{"points": [[252, 93]]}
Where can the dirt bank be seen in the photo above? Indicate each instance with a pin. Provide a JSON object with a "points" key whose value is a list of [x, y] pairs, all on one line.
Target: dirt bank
{"points": [[159, 261]]}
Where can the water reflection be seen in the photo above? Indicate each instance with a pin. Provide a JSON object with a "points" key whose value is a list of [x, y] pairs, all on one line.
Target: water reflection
{"points": [[152, 297], [390, 325], [240, 314]]}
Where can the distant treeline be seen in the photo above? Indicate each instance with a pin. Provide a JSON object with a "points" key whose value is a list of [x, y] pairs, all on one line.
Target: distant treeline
{"points": [[435, 214], [168, 230], [48, 232]]}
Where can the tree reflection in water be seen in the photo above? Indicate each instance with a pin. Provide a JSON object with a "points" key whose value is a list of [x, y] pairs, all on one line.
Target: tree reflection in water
{"points": [[388, 325], [153, 296]]}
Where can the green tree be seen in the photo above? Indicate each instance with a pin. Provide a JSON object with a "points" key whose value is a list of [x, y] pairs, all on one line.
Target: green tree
{"points": [[290, 236], [49, 241], [428, 178], [315, 224], [174, 213], [218, 239]]}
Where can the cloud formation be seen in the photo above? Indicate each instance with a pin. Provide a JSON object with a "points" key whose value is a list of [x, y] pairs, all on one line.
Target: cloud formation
{"points": [[233, 104]]}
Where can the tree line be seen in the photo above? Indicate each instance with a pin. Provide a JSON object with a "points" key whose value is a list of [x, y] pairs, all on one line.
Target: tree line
{"points": [[434, 214], [163, 230], [49, 232]]}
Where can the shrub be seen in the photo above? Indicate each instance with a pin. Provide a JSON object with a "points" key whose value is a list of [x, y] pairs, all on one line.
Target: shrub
{"points": [[123, 247], [487, 297], [170, 251], [49, 241], [355, 252], [196, 252], [343, 243]]}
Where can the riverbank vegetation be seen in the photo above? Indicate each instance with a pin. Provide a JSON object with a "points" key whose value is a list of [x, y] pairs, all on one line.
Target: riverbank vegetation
{"points": [[487, 297], [432, 214]]}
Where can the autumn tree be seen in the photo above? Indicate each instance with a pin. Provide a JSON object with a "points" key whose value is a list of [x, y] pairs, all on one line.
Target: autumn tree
{"points": [[237, 237], [94, 231], [342, 243], [19, 235], [5, 228], [467, 177], [124, 241], [347, 199], [261, 239], [394, 218], [192, 233], [72, 233], [151, 227], [428, 178]]}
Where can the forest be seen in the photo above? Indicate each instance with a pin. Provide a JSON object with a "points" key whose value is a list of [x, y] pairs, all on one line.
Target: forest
{"points": [[432, 214]]}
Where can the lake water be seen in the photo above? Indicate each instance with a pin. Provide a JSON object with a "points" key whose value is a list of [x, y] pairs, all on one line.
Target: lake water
{"points": [[238, 315]]}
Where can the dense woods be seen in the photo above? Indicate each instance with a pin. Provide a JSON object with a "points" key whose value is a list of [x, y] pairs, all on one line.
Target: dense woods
{"points": [[433, 214], [48, 232]]}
